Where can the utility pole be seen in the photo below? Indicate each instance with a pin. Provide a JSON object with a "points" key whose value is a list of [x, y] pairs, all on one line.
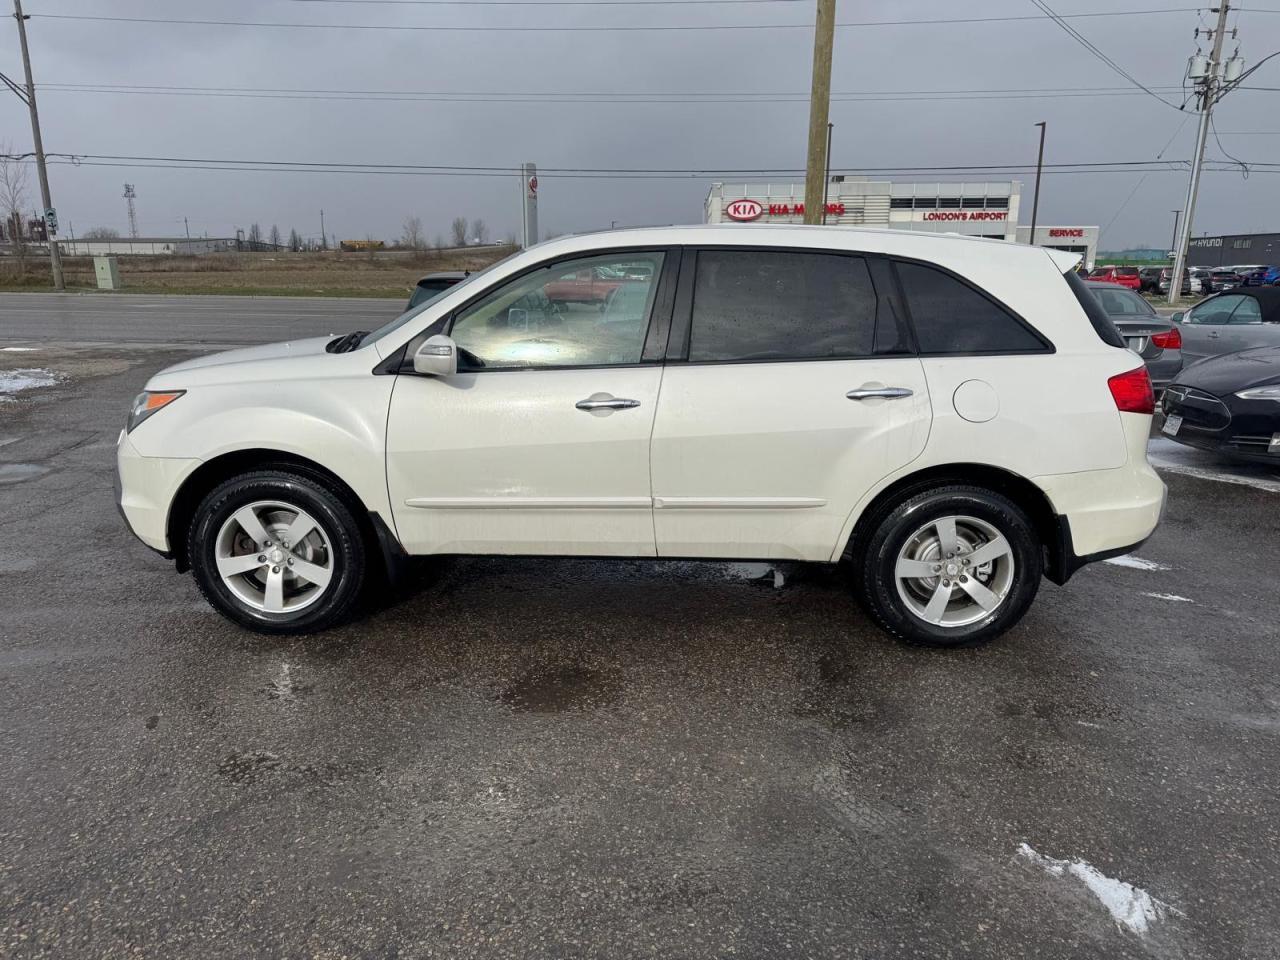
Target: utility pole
{"points": [[1173, 242], [815, 189], [55, 258], [826, 180], [324, 242], [1035, 202], [1208, 96]]}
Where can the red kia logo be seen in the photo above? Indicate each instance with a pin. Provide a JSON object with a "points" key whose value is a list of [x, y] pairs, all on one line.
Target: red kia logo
{"points": [[743, 210]]}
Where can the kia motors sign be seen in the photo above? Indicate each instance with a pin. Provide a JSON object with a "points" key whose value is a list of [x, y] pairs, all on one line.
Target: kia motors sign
{"points": [[743, 210]]}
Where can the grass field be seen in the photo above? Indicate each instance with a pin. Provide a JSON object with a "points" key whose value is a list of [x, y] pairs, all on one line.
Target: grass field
{"points": [[387, 273]]}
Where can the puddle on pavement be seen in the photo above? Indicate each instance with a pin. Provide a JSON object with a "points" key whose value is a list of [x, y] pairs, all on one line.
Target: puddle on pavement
{"points": [[17, 472], [570, 688]]}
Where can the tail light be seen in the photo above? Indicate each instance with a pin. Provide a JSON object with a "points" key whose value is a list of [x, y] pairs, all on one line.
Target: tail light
{"points": [[1172, 340], [1132, 392]]}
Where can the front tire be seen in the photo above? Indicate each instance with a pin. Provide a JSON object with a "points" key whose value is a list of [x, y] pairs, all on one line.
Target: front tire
{"points": [[949, 566], [277, 552]]}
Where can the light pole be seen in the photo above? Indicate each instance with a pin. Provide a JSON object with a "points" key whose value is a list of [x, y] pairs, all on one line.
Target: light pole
{"points": [[1035, 202]]}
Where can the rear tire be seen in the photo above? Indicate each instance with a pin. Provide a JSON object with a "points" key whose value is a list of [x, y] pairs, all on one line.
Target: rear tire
{"points": [[915, 591], [277, 552]]}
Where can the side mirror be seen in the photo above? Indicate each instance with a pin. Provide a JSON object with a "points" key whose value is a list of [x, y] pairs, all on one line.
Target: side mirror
{"points": [[1177, 317], [437, 357]]}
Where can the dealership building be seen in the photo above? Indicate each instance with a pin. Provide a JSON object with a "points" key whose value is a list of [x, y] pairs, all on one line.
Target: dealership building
{"points": [[1235, 249], [972, 209]]}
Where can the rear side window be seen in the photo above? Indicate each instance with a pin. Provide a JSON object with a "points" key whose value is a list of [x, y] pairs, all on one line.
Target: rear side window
{"points": [[1102, 325], [779, 305], [952, 317]]}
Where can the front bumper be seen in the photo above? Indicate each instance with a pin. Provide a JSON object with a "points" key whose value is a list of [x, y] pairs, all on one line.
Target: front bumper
{"points": [[145, 487]]}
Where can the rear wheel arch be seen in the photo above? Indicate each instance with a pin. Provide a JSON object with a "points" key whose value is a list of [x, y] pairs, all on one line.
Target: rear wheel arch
{"points": [[1025, 494], [213, 472]]}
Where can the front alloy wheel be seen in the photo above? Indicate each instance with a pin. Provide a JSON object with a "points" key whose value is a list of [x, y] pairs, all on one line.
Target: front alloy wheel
{"points": [[278, 551]]}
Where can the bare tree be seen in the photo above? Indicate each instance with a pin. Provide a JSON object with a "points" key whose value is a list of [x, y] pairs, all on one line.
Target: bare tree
{"points": [[13, 198], [438, 243], [480, 230], [295, 241], [101, 233], [459, 228], [275, 236], [255, 236], [411, 236]]}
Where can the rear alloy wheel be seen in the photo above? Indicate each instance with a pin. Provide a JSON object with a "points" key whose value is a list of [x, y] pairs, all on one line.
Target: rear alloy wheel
{"points": [[950, 566], [277, 552]]}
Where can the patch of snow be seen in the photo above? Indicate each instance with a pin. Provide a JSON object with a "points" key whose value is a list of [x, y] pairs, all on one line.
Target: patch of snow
{"points": [[1137, 563], [1131, 907], [15, 381], [1169, 596], [282, 684], [19, 349]]}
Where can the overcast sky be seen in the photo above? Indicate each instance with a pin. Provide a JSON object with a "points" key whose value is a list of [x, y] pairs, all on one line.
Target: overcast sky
{"points": [[1018, 55]]}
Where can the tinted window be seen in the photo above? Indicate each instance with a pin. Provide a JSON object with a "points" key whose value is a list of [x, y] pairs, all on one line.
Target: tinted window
{"points": [[1214, 310], [1247, 312], [429, 290], [1127, 272], [774, 305], [952, 317], [578, 313], [1122, 303]]}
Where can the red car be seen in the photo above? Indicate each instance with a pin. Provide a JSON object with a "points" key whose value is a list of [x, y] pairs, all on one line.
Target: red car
{"points": [[588, 285], [1125, 276]]}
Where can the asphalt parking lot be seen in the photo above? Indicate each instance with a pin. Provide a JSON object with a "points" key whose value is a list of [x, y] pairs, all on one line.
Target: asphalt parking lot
{"points": [[552, 758]]}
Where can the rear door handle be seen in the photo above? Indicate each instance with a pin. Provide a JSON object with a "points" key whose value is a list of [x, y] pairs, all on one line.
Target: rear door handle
{"points": [[599, 401], [886, 393]]}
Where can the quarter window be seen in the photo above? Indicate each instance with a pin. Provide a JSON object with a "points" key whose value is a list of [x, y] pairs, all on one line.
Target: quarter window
{"points": [[952, 317], [579, 313], [1247, 312], [778, 305], [1215, 310]]}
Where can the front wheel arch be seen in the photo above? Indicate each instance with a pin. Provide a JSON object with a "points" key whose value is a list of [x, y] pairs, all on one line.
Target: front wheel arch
{"points": [[213, 472]]}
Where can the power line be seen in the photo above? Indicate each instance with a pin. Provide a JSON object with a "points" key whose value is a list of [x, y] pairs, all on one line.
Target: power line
{"points": [[393, 96], [1061, 21], [659, 28]]}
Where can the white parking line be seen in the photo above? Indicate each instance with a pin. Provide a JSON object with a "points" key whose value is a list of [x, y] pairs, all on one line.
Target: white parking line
{"points": [[1175, 458], [1169, 596]]}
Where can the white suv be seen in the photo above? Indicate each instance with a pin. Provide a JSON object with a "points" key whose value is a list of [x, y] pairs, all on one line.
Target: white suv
{"points": [[954, 417]]}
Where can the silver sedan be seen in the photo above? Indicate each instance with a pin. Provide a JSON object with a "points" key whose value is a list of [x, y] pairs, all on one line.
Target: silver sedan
{"points": [[1157, 340]]}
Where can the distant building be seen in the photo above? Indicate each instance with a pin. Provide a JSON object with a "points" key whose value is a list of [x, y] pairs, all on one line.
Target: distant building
{"points": [[974, 209], [148, 246], [1234, 249]]}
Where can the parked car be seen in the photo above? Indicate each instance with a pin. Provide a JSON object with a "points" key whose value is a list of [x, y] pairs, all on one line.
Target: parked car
{"points": [[1156, 340], [1222, 280], [1190, 283], [1252, 274], [1270, 277], [591, 285], [1228, 404], [434, 284], [954, 417], [1148, 279], [1124, 276], [1200, 280], [1228, 322]]}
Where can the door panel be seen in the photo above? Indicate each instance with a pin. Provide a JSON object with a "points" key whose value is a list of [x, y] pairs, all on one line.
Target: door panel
{"points": [[767, 460], [506, 462]]}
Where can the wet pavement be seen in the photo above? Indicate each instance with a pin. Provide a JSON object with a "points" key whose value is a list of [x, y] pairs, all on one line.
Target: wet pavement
{"points": [[553, 758]]}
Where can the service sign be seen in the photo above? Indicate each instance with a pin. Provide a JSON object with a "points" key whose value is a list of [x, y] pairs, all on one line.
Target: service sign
{"points": [[743, 210]]}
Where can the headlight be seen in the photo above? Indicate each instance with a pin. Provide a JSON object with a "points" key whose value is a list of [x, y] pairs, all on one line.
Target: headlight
{"points": [[149, 402], [1271, 392]]}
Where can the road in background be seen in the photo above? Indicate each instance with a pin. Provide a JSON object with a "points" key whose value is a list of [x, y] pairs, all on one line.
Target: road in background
{"points": [[162, 319]]}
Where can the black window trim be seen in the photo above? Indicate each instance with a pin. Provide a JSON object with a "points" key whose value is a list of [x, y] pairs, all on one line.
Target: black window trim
{"points": [[659, 315], [1047, 344], [682, 317]]}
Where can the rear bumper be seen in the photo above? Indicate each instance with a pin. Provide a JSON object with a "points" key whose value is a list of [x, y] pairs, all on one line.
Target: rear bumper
{"points": [[1105, 513], [145, 487]]}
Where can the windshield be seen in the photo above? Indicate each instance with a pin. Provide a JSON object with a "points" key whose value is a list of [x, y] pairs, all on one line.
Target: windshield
{"points": [[412, 312]]}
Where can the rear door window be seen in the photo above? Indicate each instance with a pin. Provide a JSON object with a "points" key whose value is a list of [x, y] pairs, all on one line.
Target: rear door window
{"points": [[1247, 312], [780, 305], [952, 317]]}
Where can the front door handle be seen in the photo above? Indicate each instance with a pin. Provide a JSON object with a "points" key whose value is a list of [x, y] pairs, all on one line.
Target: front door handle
{"points": [[602, 401], [887, 393], [1213, 335]]}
